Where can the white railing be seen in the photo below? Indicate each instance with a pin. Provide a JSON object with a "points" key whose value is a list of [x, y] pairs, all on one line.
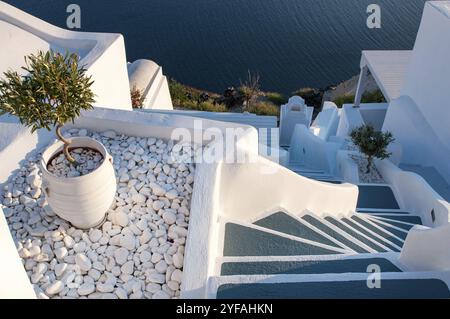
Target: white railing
{"points": [[415, 194], [426, 247]]}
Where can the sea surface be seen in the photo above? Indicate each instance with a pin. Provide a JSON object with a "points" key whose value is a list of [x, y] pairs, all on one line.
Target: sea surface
{"points": [[211, 44]]}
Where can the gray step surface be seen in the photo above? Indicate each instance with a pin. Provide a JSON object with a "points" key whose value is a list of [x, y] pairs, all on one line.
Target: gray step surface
{"points": [[405, 227], [284, 223], [377, 212], [396, 232], [380, 232], [352, 233], [376, 197], [407, 219], [244, 241], [358, 227], [306, 267], [318, 223], [390, 289]]}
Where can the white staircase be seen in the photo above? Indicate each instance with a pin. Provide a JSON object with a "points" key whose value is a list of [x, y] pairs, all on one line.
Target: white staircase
{"points": [[285, 255]]}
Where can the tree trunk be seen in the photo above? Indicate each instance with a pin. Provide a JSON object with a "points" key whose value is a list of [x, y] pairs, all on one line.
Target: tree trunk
{"points": [[369, 164], [66, 145]]}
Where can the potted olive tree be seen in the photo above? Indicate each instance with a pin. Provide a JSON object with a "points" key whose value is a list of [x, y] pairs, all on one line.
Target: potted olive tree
{"points": [[78, 177], [371, 143]]}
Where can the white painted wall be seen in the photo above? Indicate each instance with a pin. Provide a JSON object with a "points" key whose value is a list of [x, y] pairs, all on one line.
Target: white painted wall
{"points": [[420, 143], [374, 114], [415, 195], [312, 151], [350, 118], [326, 122], [428, 77], [346, 168], [148, 77], [426, 249], [103, 54], [293, 113], [419, 119], [249, 190]]}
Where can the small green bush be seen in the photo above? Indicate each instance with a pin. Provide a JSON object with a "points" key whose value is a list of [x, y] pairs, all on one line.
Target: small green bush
{"points": [[211, 107], [264, 108], [207, 106], [181, 94], [372, 143], [276, 98], [368, 97], [344, 99]]}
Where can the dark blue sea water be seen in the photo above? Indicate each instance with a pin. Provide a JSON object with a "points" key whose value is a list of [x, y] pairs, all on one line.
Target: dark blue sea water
{"points": [[211, 44]]}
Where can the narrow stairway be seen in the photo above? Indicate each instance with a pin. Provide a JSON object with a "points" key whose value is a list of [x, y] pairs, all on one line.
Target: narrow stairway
{"points": [[282, 255]]}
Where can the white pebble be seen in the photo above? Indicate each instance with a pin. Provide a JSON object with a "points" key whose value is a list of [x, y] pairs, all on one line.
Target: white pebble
{"points": [[128, 268], [120, 219], [121, 255], [55, 288], [86, 289], [95, 235], [83, 262], [128, 241], [61, 252]]}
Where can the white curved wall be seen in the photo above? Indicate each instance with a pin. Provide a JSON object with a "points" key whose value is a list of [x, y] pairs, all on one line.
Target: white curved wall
{"points": [[428, 77], [419, 118], [326, 122], [415, 195], [103, 54], [312, 151], [250, 189], [426, 249], [414, 133]]}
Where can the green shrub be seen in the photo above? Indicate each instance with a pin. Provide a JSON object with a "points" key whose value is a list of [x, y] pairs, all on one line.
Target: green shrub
{"points": [[264, 108], [211, 107], [207, 106], [54, 91], [276, 98], [344, 99], [372, 143], [181, 94], [368, 97]]}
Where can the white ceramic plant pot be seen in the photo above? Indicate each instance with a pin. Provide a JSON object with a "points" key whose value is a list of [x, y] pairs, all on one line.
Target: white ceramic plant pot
{"points": [[82, 200]]}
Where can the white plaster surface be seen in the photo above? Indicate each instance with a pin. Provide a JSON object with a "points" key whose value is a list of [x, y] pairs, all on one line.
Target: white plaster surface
{"points": [[147, 76], [103, 54]]}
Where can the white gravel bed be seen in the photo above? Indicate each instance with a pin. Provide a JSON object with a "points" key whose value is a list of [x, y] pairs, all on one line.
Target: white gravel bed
{"points": [[137, 253], [87, 161], [373, 177]]}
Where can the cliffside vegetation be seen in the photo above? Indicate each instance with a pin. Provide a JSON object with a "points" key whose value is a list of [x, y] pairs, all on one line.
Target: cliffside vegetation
{"points": [[248, 97]]}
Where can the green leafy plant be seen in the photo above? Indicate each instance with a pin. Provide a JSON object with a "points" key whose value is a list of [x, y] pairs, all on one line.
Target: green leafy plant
{"points": [[368, 97], [372, 143], [276, 98], [264, 108], [53, 91]]}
